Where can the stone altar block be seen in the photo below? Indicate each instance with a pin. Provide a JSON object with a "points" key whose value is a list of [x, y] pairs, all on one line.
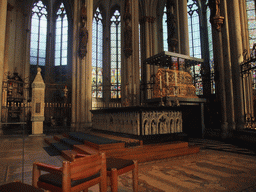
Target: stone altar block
{"points": [[37, 113], [138, 120]]}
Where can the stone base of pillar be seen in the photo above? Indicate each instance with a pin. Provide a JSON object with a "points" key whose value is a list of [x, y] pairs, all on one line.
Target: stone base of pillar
{"points": [[232, 126], [37, 128], [224, 131], [240, 126], [85, 126], [74, 126]]}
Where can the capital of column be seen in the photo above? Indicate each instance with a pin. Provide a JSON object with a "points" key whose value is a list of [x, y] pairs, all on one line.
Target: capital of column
{"points": [[217, 21], [215, 18]]}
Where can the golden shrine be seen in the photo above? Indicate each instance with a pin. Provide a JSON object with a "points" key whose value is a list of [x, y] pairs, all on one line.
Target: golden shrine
{"points": [[171, 83]]}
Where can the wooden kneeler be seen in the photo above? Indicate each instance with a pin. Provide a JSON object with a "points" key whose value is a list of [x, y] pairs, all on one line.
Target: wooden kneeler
{"points": [[117, 167]]}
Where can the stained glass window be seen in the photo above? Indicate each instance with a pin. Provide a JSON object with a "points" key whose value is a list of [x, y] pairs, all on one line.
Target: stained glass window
{"points": [[211, 61], [251, 17], [194, 29], [115, 52], [195, 43], [97, 55], [165, 30], [38, 34], [61, 37]]}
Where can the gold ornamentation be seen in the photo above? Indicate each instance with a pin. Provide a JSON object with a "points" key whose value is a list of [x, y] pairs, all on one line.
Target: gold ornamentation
{"points": [[179, 84]]}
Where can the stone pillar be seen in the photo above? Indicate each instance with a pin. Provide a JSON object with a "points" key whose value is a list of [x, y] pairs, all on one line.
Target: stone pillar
{"points": [[183, 20], [3, 13], [247, 78], [227, 69], [217, 21], [130, 69], [82, 65], [147, 45], [236, 50], [172, 26], [75, 92], [206, 73], [88, 71], [37, 112]]}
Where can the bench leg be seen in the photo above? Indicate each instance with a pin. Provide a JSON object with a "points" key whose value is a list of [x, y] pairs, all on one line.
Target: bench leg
{"points": [[135, 176], [113, 179]]}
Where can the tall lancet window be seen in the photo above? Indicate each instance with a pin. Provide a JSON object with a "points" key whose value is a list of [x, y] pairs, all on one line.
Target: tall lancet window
{"points": [[211, 61], [195, 43], [165, 30], [61, 37], [115, 52], [97, 55], [251, 17], [194, 29], [38, 34]]}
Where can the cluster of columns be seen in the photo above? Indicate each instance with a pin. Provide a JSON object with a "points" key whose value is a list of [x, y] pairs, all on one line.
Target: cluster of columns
{"points": [[230, 41], [81, 68]]}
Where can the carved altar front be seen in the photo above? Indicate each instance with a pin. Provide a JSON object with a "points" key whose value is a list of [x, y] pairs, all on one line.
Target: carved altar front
{"points": [[138, 120]]}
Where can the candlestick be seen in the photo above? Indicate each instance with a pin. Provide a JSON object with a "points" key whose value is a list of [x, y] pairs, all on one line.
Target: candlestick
{"points": [[175, 78], [160, 81], [167, 79]]}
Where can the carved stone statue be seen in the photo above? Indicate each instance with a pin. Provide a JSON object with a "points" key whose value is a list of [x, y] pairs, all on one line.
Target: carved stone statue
{"points": [[83, 36]]}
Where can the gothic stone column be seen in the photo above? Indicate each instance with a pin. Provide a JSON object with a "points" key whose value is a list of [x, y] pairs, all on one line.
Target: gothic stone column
{"points": [[227, 69], [236, 50], [217, 21], [3, 12], [183, 23]]}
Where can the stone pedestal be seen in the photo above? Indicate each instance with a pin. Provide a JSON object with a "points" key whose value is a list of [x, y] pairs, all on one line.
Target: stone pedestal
{"points": [[37, 113]]}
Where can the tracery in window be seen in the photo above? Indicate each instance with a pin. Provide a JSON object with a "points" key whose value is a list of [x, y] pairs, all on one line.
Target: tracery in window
{"points": [[61, 37], [165, 30], [115, 53], [38, 34], [97, 55], [195, 43], [194, 29]]}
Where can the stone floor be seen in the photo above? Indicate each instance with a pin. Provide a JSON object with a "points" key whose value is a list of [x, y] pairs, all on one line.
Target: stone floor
{"points": [[217, 167]]}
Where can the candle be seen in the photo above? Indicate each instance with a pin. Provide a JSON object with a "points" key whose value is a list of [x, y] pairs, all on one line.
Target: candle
{"points": [[160, 82], [175, 78], [167, 79]]}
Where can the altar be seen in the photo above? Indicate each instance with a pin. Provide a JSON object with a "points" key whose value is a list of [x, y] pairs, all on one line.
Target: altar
{"points": [[168, 100]]}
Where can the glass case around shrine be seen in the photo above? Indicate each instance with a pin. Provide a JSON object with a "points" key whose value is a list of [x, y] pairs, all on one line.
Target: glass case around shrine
{"points": [[169, 71]]}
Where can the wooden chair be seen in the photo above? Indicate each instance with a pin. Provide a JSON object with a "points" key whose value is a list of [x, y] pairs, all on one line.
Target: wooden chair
{"points": [[78, 175], [117, 167]]}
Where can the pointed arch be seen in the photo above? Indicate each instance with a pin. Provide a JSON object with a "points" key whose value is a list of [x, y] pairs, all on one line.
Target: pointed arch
{"points": [[194, 29], [97, 54], [61, 36], [115, 52], [38, 39]]}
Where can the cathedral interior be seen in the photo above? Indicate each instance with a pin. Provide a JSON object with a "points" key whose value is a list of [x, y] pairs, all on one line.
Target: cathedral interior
{"points": [[156, 70]]}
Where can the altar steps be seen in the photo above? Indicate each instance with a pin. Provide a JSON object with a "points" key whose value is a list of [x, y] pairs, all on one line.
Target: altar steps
{"points": [[154, 151], [70, 146]]}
